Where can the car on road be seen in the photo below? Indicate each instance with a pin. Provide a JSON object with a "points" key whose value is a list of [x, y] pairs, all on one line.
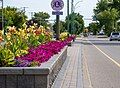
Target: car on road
{"points": [[101, 33], [115, 36]]}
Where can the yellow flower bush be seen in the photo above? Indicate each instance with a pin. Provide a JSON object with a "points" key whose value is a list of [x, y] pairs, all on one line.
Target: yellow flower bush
{"points": [[63, 35], [18, 41]]}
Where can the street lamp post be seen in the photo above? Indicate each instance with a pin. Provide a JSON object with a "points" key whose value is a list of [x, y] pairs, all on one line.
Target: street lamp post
{"points": [[73, 7], [72, 18], [2, 17], [67, 15]]}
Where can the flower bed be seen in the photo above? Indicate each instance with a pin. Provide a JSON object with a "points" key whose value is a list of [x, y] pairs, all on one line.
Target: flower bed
{"points": [[29, 59], [33, 77], [18, 42], [29, 47], [40, 54]]}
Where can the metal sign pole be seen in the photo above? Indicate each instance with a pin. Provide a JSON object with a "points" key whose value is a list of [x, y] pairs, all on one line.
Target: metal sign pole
{"points": [[72, 12], [57, 5], [57, 27]]}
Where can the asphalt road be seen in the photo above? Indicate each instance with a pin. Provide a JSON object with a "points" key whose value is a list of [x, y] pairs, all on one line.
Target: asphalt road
{"points": [[101, 63]]}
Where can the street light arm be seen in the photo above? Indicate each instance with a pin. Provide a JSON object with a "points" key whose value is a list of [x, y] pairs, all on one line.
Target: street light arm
{"points": [[75, 8], [77, 3]]}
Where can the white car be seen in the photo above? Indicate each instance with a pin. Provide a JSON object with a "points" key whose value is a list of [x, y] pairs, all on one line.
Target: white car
{"points": [[115, 36]]}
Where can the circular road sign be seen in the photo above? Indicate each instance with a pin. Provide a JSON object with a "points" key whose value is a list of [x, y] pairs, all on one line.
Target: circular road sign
{"points": [[57, 4]]}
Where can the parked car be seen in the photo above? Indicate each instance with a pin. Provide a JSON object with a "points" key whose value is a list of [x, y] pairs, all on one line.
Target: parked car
{"points": [[115, 36]]}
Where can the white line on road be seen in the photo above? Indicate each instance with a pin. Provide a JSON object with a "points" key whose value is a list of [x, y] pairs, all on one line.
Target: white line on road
{"points": [[87, 70], [115, 62]]}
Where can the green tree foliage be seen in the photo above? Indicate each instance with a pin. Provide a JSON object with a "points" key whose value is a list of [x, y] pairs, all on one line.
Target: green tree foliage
{"points": [[108, 18], [62, 27], [76, 23], [115, 4], [94, 27], [107, 14], [101, 6], [13, 17], [118, 26], [41, 18]]}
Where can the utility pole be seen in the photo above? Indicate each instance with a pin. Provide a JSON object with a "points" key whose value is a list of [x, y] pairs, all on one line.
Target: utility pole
{"points": [[72, 6], [73, 15], [68, 15], [2, 18], [31, 14], [24, 9], [72, 12]]}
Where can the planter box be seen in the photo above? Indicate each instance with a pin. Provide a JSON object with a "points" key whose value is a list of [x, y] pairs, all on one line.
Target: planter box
{"points": [[70, 43], [33, 77]]}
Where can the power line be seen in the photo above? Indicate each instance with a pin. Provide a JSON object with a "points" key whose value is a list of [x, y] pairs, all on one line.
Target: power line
{"points": [[24, 9], [87, 18], [32, 14]]}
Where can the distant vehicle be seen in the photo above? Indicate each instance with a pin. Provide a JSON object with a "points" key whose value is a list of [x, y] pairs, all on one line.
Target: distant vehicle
{"points": [[102, 33], [85, 34], [91, 33], [115, 36]]}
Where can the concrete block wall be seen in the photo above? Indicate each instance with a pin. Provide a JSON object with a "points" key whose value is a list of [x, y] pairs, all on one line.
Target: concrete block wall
{"points": [[33, 77]]}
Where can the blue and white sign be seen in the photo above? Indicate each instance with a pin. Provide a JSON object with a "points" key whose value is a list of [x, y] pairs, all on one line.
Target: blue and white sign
{"points": [[57, 13], [57, 4]]}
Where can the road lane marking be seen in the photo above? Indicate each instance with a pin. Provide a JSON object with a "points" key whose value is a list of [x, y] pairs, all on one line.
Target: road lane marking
{"points": [[115, 62], [87, 71]]}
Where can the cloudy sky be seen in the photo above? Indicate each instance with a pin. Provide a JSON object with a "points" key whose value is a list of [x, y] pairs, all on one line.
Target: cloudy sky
{"points": [[85, 7]]}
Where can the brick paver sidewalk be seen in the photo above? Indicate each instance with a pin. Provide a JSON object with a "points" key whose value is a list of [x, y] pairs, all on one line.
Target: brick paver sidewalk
{"points": [[70, 76]]}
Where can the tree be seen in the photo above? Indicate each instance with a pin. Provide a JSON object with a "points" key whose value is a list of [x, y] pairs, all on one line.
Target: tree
{"points": [[62, 27], [94, 27], [101, 6], [107, 14], [108, 18], [118, 27], [76, 23], [13, 17], [41, 18], [115, 4]]}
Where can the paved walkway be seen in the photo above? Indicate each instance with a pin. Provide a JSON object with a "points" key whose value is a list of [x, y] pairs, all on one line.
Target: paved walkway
{"points": [[70, 76]]}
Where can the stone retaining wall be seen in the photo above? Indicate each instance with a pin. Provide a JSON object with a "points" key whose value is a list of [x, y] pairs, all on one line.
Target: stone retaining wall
{"points": [[33, 77]]}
